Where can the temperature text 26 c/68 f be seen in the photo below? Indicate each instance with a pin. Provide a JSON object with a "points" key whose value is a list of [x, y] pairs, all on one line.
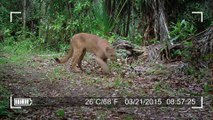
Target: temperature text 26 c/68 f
{"points": [[100, 101]]}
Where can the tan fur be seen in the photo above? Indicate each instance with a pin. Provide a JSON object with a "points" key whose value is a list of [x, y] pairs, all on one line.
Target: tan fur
{"points": [[82, 42]]}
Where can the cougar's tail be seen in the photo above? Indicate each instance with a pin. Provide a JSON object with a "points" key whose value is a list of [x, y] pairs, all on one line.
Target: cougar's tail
{"points": [[65, 58]]}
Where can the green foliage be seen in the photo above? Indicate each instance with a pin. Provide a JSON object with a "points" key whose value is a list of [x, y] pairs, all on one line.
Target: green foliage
{"points": [[4, 103], [179, 33], [120, 83], [137, 38], [17, 51], [185, 52], [177, 53], [56, 74], [157, 87], [129, 117], [190, 70], [182, 9], [60, 112], [102, 20], [207, 88], [58, 21], [146, 5], [59, 27], [181, 30]]}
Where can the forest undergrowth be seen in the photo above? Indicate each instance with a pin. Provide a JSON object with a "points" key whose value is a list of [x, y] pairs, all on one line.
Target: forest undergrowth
{"points": [[27, 71]]}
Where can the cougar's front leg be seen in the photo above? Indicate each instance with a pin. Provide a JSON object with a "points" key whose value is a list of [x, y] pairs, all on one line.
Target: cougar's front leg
{"points": [[102, 64]]}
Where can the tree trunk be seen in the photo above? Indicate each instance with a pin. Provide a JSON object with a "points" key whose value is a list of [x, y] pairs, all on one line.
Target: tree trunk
{"points": [[156, 22], [160, 25], [24, 14], [149, 31], [211, 7], [128, 18]]}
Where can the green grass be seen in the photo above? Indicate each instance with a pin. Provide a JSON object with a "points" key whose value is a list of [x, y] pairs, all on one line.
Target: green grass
{"points": [[21, 51], [4, 101], [56, 74], [3, 60], [128, 117], [60, 112], [16, 53]]}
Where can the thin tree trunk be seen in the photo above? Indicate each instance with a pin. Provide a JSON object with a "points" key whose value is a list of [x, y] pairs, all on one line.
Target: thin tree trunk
{"points": [[156, 22], [157, 25], [24, 14], [211, 7], [160, 25], [69, 8], [150, 31], [123, 30], [128, 18]]}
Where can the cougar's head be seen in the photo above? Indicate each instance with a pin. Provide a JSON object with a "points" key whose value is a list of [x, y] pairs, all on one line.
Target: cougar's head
{"points": [[110, 53]]}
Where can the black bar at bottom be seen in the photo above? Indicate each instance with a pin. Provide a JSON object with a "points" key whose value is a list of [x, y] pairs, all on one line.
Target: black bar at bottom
{"points": [[116, 101]]}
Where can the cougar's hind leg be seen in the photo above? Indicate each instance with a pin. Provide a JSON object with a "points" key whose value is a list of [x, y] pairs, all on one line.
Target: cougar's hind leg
{"points": [[81, 58], [75, 59]]}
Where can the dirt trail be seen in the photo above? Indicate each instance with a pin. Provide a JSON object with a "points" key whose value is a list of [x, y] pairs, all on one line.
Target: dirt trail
{"points": [[42, 77]]}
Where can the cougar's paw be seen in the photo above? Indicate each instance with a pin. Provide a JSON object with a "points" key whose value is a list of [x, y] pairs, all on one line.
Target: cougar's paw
{"points": [[76, 70]]}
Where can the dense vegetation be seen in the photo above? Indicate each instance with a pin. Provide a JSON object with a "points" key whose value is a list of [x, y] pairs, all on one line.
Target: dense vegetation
{"points": [[46, 26], [49, 24]]}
